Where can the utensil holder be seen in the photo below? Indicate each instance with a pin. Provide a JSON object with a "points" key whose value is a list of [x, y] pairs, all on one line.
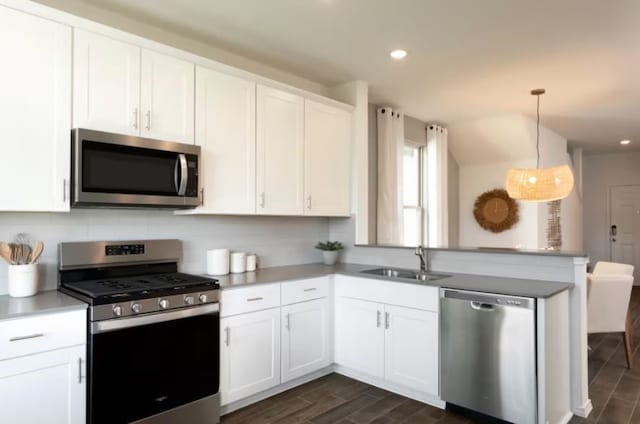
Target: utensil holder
{"points": [[23, 280]]}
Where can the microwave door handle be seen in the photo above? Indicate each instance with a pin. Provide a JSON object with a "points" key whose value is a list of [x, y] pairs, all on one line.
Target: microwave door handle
{"points": [[181, 167]]}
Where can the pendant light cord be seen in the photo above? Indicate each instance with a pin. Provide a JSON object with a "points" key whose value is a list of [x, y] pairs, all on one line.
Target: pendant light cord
{"points": [[538, 133]]}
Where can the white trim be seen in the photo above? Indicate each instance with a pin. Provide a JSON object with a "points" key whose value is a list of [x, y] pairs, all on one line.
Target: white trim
{"points": [[86, 24], [584, 410]]}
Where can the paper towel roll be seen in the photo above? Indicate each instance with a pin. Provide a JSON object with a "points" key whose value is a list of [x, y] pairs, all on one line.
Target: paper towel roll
{"points": [[252, 261], [218, 262], [238, 262]]}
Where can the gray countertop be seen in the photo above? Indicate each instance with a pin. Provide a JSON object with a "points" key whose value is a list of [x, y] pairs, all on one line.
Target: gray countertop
{"points": [[45, 302], [501, 250], [481, 283]]}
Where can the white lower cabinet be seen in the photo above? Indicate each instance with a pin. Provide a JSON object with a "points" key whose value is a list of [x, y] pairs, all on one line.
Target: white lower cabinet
{"points": [[250, 354], [359, 335], [305, 338], [46, 387], [411, 348]]}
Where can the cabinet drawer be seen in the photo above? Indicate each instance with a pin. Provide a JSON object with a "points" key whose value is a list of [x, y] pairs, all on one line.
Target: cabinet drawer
{"points": [[242, 300], [389, 292], [302, 290], [26, 336]]}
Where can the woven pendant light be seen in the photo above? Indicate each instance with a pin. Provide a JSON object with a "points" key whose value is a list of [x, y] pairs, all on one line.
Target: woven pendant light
{"points": [[539, 184]]}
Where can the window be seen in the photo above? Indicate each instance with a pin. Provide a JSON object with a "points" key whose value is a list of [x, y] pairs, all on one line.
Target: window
{"points": [[414, 231]]}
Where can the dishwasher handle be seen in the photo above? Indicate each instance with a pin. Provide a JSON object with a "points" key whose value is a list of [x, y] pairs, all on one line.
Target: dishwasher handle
{"points": [[488, 301]]}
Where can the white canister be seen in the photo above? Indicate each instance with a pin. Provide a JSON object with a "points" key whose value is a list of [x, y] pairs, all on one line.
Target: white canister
{"points": [[252, 262], [218, 262], [238, 262], [23, 280]]}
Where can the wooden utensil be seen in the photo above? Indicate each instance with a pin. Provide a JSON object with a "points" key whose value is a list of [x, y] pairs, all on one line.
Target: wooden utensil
{"points": [[6, 253], [36, 252]]}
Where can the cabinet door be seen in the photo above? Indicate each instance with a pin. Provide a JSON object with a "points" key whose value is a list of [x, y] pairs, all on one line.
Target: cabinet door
{"points": [[167, 98], [106, 84], [327, 160], [225, 129], [250, 354], [305, 338], [44, 388], [411, 348], [359, 330], [35, 110], [280, 139]]}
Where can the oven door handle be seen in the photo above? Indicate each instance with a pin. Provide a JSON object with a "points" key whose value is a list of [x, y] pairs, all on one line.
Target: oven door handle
{"points": [[181, 168], [121, 323]]}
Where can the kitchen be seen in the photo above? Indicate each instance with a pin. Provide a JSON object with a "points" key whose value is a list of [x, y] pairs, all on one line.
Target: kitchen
{"points": [[101, 98]]}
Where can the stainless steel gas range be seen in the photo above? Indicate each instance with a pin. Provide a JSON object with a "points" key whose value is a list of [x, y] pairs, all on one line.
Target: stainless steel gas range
{"points": [[153, 332]]}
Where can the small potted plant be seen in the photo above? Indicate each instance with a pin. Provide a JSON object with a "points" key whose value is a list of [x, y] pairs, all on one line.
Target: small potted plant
{"points": [[330, 251]]}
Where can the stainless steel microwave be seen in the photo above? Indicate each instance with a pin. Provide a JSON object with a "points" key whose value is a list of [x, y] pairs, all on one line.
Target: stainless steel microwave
{"points": [[114, 170]]}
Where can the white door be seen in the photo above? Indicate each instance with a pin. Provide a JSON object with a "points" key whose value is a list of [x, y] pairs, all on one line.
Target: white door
{"points": [[305, 338], [35, 112], [167, 97], [624, 231], [280, 140], [225, 129], [411, 348], [44, 388], [106, 84], [359, 335], [327, 160], [250, 354]]}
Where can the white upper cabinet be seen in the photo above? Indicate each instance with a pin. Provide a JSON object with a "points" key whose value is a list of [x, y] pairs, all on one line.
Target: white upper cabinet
{"points": [[106, 81], [225, 129], [35, 106], [327, 160], [121, 88], [167, 97], [280, 141]]}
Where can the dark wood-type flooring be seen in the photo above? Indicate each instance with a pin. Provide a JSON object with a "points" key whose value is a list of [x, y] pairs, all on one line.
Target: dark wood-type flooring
{"points": [[335, 399]]}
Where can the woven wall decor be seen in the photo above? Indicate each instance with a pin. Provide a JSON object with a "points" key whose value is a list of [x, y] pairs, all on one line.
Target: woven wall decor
{"points": [[495, 211]]}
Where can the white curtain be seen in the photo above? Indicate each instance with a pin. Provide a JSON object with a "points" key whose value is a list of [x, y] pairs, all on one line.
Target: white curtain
{"points": [[390, 155], [437, 189]]}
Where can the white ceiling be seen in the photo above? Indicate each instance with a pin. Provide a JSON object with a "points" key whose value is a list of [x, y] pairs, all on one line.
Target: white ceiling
{"points": [[467, 58]]}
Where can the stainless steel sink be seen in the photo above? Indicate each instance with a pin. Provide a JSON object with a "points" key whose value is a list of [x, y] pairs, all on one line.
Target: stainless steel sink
{"points": [[405, 274]]}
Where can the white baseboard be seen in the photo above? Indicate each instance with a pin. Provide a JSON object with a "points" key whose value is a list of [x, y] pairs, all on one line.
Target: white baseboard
{"points": [[566, 418], [585, 410]]}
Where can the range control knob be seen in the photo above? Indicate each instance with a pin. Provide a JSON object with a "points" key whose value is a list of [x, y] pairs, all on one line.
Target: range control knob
{"points": [[202, 298], [117, 311], [188, 300], [164, 303], [136, 308]]}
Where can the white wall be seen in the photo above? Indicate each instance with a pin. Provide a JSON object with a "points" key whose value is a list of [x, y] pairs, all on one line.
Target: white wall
{"points": [[601, 172], [276, 240], [475, 180]]}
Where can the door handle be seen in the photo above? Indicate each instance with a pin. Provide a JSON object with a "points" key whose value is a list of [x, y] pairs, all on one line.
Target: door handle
{"points": [[288, 322], [480, 306], [135, 118], [309, 202], [262, 199], [614, 230], [254, 299], [30, 336], [227, 336], [80, 371], [386, 321], [378, 317], [181, 167], [148, 115]]}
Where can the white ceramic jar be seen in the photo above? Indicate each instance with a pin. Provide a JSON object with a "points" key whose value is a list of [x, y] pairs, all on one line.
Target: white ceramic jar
{"points": [[238, 262], [23, 280], [218, 262]]}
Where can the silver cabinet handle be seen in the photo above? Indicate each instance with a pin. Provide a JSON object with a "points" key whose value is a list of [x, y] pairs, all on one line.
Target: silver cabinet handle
{"points": [[310, 289], [309, 202], [262, 199], [202, 196], [135, 118], [30, 336], [148, 115], [80, 371], [378, 316], [64, 190], [386, 320], [254, 299], [227, 335], [288, 322]]}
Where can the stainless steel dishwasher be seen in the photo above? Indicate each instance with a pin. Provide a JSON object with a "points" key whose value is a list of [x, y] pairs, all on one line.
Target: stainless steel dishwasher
{"points": [[488, 354]]}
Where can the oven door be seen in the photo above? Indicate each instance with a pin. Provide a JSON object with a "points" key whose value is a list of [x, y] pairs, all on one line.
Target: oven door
{"points": [[149, 366], [126, 171]]}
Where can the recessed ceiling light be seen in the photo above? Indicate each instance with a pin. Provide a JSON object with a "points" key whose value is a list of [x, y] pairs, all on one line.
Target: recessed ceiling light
{"points": [[398, 54], [625, 142]]}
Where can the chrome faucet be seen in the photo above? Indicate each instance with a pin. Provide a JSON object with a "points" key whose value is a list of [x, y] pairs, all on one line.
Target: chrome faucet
{"points": [[423, 253]]}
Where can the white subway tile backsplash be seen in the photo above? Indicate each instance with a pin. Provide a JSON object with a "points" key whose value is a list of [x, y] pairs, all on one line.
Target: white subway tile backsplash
{"points": [[276, 240]]}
